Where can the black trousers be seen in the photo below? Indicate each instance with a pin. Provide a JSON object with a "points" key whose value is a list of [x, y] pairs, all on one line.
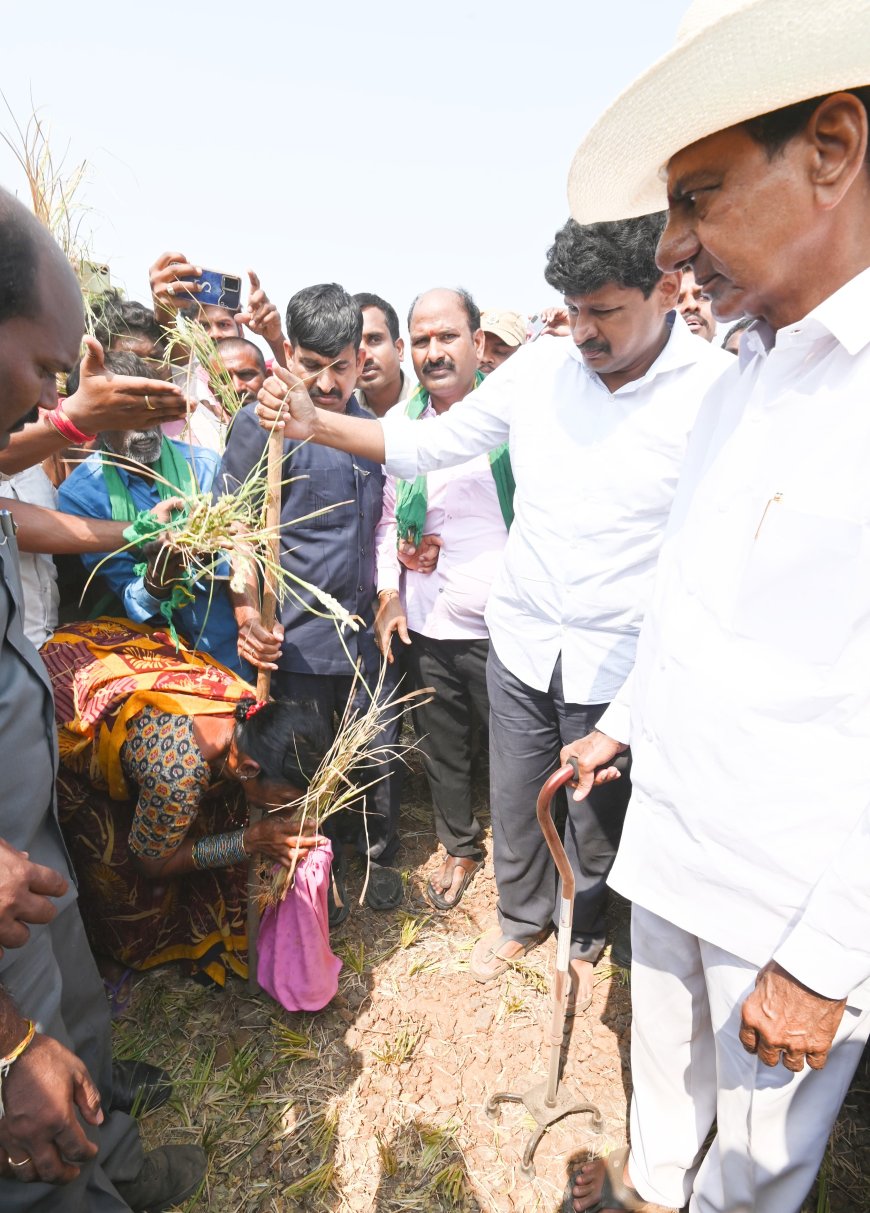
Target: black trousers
{"points": [[457, 671], [373, 829], [527, 729]]}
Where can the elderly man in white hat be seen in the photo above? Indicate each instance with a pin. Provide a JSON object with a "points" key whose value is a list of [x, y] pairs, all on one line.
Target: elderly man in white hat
{"points": [[746, 848]]}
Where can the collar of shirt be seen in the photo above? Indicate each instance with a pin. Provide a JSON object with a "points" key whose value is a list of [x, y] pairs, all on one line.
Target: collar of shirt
{"points": [[681, 349], [845, 316]]}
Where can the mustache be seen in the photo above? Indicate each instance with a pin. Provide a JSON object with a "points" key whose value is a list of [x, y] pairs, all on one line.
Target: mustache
{"points": [[594, 347], [335, 394], [438, 364]]}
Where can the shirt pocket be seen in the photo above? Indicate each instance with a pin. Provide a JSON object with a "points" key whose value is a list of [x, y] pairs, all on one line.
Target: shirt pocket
{"points": [[799, 592], [327, 498]]}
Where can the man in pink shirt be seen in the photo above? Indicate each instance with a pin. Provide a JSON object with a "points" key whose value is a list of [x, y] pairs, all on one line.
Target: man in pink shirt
{"points": [[439, 546]]}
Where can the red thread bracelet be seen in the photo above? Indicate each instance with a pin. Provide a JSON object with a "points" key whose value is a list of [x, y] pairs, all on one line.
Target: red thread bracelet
{"points": [[66, 428]]}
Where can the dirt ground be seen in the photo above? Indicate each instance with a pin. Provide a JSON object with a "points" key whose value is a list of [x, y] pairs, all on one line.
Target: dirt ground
{"points": [[377, 1103]]}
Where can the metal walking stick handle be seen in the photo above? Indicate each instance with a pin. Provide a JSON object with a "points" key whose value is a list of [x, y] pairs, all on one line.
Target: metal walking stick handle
{"points": [[546, 1103]]}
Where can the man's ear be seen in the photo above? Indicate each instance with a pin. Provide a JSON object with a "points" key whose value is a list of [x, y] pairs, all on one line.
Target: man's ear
{"points": [[668, 288], [479, 339], [400, 349], [837, 132], [360, 360], [288, 352]]}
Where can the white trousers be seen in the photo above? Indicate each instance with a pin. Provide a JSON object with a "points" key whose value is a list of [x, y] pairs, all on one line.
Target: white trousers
{"points": [[690, 1070]]}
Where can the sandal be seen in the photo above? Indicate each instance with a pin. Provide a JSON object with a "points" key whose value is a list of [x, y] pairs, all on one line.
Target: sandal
{"points": [[119, 993], [615, 1194], [494, 953], [385, 889], [337, 905], [467, 866]]}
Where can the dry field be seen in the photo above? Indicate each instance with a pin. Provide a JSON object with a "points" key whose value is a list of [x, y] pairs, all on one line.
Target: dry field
{"points": [[377, 1103]]}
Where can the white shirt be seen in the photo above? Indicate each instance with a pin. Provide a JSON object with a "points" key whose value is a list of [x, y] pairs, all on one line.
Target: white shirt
{"points": [[749, 824], [38, 574], [596, 473], [464, 511]]}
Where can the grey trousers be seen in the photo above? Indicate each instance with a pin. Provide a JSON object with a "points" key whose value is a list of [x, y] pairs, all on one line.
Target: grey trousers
{"points": [[456, 669], [54, 981], [376, 833], [527, 729]]}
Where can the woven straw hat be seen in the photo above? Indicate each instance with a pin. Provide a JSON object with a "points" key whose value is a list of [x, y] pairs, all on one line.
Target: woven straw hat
{"points": [[733, 60]]}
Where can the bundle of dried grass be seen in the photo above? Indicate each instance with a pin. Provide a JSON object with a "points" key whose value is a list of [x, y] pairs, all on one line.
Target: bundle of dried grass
{"points": [[190, 342], [343, 777], [208, 533]]}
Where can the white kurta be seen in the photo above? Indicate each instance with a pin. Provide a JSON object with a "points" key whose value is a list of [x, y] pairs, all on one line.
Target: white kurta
{"points": [[595, 473], [749, 824]]}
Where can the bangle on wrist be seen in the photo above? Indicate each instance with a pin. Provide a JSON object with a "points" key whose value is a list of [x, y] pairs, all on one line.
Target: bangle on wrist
{"points": [[6, 1062], [68, 429], [219, 850]]}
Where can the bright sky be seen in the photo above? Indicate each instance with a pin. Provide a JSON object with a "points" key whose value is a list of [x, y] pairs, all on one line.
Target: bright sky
{"points": [[387, 146]]}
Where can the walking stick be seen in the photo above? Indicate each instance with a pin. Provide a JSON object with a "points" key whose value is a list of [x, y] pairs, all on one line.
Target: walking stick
{"points": [[268, 609], [545, 1102]]}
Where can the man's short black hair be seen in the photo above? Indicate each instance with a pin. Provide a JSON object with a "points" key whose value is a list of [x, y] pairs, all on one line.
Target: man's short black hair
{"points": [[472, 311], [324, 319], [774, 130], [585, 258], [116, 317], [19, 255], [367, 299], [237, 345]]}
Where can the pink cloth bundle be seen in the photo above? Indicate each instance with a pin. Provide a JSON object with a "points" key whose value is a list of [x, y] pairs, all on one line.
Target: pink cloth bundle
{"points": [[295, 962]]}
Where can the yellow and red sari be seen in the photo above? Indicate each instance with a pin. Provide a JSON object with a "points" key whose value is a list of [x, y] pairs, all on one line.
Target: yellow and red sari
{"points": [[123, 690]]}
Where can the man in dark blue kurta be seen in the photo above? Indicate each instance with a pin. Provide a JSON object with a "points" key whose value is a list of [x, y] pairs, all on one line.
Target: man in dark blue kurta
{"points": [[337, 499]]}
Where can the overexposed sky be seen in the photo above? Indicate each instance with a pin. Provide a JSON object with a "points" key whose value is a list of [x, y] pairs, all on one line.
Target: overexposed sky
{"points": [[387, 146]]}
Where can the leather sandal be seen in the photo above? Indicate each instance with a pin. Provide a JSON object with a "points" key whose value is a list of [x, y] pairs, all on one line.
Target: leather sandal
{"points": [[437, 896], [494, 952], [615, 1193]]}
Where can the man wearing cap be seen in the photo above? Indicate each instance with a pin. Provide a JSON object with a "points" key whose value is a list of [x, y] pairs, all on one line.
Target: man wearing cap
{"points": [[746, 847], [597, 428], [503, 334]]}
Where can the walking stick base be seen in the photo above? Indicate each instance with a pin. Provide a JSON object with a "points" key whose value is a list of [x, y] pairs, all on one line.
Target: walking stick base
{"points": [[567, 1103]]}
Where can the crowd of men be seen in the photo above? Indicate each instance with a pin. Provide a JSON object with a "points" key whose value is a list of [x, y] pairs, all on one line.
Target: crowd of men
{"points": [[588, 530]]}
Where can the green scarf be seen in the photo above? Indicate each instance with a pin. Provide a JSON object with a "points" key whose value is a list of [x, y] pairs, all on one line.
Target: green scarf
{"points": [[412, 496], [173, 478]]}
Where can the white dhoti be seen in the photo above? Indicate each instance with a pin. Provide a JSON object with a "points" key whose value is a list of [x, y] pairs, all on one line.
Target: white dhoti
{"points": [[689, 1071]]}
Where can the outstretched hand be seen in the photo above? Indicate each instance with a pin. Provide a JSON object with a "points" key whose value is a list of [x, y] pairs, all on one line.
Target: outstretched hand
{"points": [[782, 1019], [283, 400], [105, 401]]}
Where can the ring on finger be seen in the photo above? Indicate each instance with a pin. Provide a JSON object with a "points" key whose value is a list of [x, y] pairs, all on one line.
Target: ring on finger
{"points": [[149, 405], [22, 1163]]}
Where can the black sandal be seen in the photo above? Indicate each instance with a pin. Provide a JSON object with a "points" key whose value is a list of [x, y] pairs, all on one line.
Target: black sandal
{"points": [[337, 904], [436, 896]]}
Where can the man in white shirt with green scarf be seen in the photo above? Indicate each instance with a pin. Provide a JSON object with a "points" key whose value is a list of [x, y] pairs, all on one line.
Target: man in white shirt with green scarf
{"points": [[455, 522]]}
